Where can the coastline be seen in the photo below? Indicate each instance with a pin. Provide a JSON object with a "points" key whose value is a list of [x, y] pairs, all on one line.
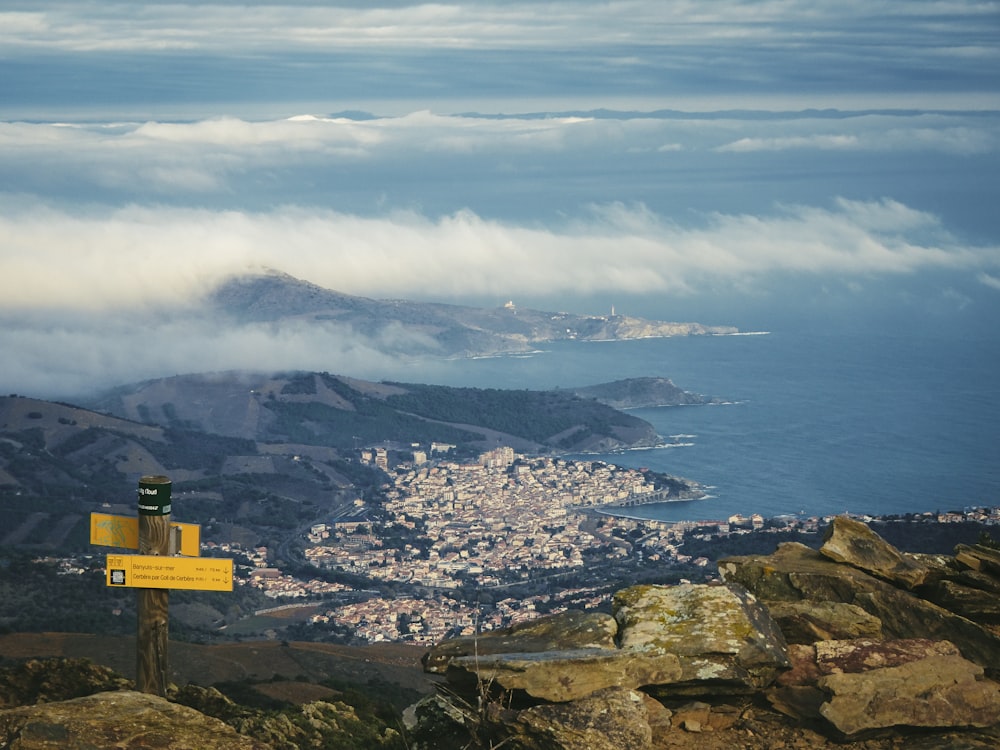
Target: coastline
{"points": [[618, 511]]}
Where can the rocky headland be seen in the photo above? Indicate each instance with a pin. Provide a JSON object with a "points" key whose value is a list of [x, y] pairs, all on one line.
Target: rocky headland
{"points": [[432, 328], [638, 393]]}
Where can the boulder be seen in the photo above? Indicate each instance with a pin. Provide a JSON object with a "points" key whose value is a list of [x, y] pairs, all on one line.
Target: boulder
{"points": [[721, 635], [797, 692], [443, 722], [979, 558], [674, 640], [864, 686], [564, 675], [856, 641], [795, 572], [569, 630], [612, 718], [609, 719], [863, 655], [810, 663], [852, 542], [936, 692], [975, 603], [120, 719], [808, 622]]}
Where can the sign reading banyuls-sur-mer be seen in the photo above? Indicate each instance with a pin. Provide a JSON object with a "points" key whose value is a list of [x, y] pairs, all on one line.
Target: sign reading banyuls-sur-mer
{"points": [[163, 572]]}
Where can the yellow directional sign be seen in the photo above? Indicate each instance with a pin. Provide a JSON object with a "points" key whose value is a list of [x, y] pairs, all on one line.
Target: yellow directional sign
{"points": [[123, 531], [163, 572]]}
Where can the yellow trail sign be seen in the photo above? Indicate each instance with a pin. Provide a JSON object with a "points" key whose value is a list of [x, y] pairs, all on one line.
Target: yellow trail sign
{"points": [[163, 572], [123, 531]]}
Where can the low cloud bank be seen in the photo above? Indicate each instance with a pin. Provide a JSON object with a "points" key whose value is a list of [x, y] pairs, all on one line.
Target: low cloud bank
{"points": [[146, 257], [94, 299]]}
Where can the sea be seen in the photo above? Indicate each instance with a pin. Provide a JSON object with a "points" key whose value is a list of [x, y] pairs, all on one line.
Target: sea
{"points": [[811, 424]]}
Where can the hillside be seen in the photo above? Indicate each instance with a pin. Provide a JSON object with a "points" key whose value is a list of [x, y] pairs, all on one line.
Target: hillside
{"points": [[342, 413], [258, 456]]}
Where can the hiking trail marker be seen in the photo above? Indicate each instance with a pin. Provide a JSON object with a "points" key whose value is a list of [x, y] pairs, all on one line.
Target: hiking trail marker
{"points": [[160, 572], [156, 570]]}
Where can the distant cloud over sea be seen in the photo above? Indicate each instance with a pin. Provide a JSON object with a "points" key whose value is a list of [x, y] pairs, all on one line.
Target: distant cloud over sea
{"points": [[732, 162]]}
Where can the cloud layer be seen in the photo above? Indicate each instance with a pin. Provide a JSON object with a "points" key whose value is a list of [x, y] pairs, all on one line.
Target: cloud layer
{"points": [[149, 258], [89, 26], [563, 153], [151, 55]]}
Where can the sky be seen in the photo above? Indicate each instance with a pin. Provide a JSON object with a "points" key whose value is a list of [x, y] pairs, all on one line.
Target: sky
{"points": [[757, 164]]}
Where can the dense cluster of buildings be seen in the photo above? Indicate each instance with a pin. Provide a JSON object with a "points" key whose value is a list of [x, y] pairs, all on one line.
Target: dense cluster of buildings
{"points": [[500, 520], [496, 521], [450, 527]]}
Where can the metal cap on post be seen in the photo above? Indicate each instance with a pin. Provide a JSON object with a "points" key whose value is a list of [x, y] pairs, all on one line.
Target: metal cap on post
{"points": [[154, 496], [153, 604]]}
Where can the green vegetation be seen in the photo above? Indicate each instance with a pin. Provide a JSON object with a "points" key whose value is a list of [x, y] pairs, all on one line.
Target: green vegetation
{"points": [[986, 540], [42, 596], [191, 449], [36, 597], [358, 719], [372, 421], [78, 441], [300, 384], [932, 538], [535, 415]]}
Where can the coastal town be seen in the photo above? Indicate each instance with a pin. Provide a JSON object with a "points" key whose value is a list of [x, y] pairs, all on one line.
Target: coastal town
{"points": [[450, 528]]}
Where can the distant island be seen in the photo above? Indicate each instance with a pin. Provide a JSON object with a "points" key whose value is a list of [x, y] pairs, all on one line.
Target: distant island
{"points": [[432, 328], [638, 393]]}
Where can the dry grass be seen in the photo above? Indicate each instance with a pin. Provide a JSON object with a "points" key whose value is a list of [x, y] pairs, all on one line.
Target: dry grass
{"points": [[394, 663]]}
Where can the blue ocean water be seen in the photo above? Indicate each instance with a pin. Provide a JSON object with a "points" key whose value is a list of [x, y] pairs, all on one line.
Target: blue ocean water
{"points": [[817, 423]]}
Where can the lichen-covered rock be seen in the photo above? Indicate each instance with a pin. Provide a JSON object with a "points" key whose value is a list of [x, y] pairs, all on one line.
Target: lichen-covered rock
{"points": [[569, 630], [566, 675], [862, 686], [890, 646], [721, 634], [121, 719], [609, 719], [852, 542]]}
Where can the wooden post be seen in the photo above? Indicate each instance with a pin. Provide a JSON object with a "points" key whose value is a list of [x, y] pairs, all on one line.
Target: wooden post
{"points": [[152, 634]]}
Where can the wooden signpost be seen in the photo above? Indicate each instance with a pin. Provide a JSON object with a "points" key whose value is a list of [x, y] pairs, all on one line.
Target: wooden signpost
{"points": [[155, 570]]}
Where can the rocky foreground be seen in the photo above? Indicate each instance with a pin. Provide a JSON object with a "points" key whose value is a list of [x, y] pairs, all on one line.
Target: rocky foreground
{"points": [[853, 646]]}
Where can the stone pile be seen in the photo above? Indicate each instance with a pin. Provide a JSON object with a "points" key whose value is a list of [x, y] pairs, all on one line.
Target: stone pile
{"points": [[851, 642]]}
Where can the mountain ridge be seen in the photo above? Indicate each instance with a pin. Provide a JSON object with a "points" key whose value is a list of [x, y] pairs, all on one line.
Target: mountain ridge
{"points": [[294, 436]]}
